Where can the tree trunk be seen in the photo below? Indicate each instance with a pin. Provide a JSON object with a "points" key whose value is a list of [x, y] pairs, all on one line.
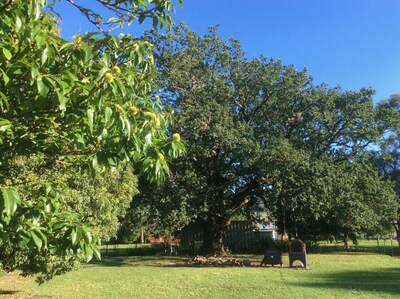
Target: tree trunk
{"points": [[397, 228], [398, 238], [142, 236], [346, 242], [214, 229]]}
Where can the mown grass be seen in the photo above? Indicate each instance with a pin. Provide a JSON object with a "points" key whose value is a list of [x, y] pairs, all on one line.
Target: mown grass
{"points": [[385, 246], [350, 275]]}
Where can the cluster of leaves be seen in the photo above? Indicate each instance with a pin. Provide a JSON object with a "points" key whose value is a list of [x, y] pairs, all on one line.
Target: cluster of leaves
{"points": [[88, 99], [84, 103], [35, 230], [127, 12]]}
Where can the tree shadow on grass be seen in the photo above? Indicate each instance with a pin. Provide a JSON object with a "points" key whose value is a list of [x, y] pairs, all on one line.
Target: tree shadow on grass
{"points": [[7, 292], [380, 280], [110, 262], [134, 261]]}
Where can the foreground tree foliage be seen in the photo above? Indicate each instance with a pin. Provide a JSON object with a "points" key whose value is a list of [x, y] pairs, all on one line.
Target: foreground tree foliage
{"points": [[260, 131], [84, 103], [100, 200]]}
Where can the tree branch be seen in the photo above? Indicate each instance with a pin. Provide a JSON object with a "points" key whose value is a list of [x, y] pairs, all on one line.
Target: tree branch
{"points": [[256, 109]]}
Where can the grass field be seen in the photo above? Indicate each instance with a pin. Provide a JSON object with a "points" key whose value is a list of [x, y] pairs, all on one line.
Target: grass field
{"points": [[352, 275]]}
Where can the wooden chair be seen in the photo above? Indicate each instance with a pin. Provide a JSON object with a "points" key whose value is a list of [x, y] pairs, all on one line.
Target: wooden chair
{"points": [[297, 252]]}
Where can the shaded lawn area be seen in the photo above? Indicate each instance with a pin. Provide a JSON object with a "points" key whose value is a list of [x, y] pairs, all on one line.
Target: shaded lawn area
{"points": [[330, 276]]}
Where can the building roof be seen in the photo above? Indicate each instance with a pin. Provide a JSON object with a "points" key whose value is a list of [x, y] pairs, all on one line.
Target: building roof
{"points": [[267, 226]]}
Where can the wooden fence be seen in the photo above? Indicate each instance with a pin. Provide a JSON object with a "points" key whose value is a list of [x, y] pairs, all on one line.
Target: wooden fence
{"points": [[240, 236]]}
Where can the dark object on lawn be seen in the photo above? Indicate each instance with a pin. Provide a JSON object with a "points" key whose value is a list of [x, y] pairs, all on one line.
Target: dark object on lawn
{"points": [[297, 252], [272, 256], [247, 263]]}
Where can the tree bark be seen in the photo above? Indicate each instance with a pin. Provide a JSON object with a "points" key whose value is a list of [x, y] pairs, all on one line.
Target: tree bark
{"points": [[214, 229], [397, 228], [346, 242]]}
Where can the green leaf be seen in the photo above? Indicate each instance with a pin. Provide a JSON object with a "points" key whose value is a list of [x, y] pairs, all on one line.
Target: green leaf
{"points": [[6, 79], [42, 88], [103, 71], [44, 55], [88, 236], [143, 3], [74, 238], [49, 188], [4, 101], [141, 19], [88, 253], [38, 242], [127, 127], [34, 72], [62, 100], [53, 249], [67, 47], [158, 167], [88, 52], [90, 114], [10, 201], [7, 53], [115, 40], [79, 139], [97, 253], [43, 236], [107, 114], [24, 238], [4, 125], [3, 236], [18, 23], [155, 23], [148, 139]]}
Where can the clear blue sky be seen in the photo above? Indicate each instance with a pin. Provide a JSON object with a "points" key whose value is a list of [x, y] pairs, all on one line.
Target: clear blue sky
{"points": [[351, 43]]}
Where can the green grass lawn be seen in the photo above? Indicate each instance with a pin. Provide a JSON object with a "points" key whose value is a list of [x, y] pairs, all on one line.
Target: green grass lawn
{"points": [[352, 275], [380, 245]]}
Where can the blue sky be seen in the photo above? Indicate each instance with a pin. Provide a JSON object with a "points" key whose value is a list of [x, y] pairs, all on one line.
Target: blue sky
{"points": [[351, 43]]}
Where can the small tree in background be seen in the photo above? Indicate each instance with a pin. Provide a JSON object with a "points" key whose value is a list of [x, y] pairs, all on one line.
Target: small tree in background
{"points": [[387, 159]]}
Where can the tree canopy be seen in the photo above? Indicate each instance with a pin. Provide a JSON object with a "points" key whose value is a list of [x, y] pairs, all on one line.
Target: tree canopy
{"points": [[257, 131]]}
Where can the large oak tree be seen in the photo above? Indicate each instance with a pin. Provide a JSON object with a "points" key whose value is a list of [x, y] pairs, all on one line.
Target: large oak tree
{"points": [[257, 131]]}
